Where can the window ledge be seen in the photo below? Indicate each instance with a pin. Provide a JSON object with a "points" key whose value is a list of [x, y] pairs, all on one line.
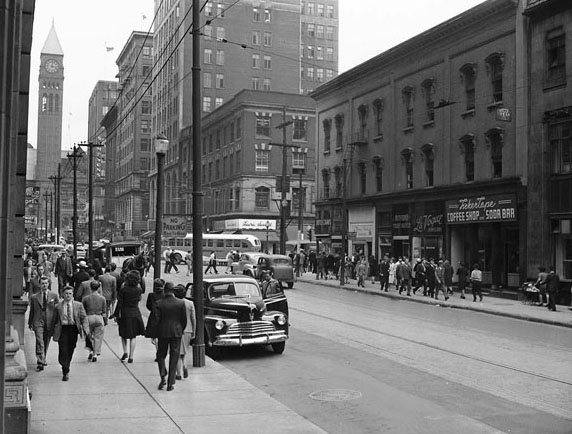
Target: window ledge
{"points": [[378, 138], [429, 124], [494, 106], [408, 130], [327, 152], [468, 113], [300, 140], [548, 86], [339, 149]]}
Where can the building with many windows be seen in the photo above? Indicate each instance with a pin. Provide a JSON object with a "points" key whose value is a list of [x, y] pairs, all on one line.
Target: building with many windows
{"points": [[261, 46], [130, 150], [549, 233], [241, 158], [420, 152]]}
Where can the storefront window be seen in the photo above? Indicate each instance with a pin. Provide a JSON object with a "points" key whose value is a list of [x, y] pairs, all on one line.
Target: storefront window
{"points": [[567, 260]]}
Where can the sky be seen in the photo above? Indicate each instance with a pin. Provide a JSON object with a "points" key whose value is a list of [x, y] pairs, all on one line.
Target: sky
{"points": [[86, 29]]}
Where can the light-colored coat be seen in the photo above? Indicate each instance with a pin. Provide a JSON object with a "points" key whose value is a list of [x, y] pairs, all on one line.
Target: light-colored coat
{"points": [[79, 317], [36, 318]]}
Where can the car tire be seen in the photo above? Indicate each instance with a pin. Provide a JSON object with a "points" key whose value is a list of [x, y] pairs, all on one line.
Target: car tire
{"points": [[212, 351], [279, 347], [290, 284]]}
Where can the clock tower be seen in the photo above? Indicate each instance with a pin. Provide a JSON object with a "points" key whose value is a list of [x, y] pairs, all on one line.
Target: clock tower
{"points": [[50, 106]]}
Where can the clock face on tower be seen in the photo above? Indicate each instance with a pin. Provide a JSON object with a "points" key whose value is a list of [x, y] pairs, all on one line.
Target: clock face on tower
{"points": [[52, 66]]}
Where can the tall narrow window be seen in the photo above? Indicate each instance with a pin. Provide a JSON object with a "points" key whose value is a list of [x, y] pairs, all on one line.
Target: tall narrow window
{"points": [[429, 159], [556, 57], [327, 125], [208, 56], [407, 158], [255, 38], [267, 15], [299, 199], [338, 180], [468, 150], [262, 197], [268, 39], [256, 14], [339, 119], [206, 103], [256, 61], [262, 125], [237, 198], [378, 116], [267, 62], [299, 132], [267, 84], [298, 160], [220, 57], [220, 81], [326, 182], [494, 69], [428, 87], [262, 157], [408, 101], [362, 118], [255, 83], [207, 80], [468, 74], [560, 137], [208, 32], [362, 177], [495, 138], [378, 165]]}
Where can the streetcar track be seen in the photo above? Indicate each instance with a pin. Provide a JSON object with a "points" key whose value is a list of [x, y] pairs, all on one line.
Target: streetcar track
{"points": [[435, 347]]}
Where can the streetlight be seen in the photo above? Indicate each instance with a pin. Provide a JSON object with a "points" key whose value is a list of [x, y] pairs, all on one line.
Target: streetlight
{"points": [[161, 146], [267, 225]]}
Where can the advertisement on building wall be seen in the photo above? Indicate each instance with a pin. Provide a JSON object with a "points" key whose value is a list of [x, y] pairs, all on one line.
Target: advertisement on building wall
{"points": [[250, 224], [32, 195], [482, 209]]}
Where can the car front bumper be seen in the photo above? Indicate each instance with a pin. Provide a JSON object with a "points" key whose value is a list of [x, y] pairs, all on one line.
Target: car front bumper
{"points": [[240, 341]]}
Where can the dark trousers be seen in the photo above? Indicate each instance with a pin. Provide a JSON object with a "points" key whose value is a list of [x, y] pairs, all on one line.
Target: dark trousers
{"points": [[477, 287], [213, 266], [62, 282], [384, 281], [173, 346], [552, 300], [67, 343], [420, 282]]}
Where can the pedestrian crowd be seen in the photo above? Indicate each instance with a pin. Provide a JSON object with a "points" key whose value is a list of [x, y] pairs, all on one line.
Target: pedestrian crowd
{"points": [[89, 295]]}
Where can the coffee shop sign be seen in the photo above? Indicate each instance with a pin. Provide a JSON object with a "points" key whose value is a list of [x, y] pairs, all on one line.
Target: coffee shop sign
{"points": [[482, 209]]}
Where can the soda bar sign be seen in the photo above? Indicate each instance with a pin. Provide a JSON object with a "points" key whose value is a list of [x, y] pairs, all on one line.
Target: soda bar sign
{"points": [[482, 209]]}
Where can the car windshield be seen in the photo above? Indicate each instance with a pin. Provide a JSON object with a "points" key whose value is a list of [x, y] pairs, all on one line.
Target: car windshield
{"points": [[233, 289], [281, 261]]}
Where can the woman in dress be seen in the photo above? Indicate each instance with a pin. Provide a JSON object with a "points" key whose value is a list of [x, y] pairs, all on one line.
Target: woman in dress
{"points": [[392, 269], [128, 315]]}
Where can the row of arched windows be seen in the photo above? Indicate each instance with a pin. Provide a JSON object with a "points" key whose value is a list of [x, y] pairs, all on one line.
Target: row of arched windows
{"points": [[50, 102]]}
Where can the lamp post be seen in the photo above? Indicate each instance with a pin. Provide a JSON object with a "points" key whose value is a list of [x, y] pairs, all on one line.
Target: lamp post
{"points": [[267, 225], [161, 146]]}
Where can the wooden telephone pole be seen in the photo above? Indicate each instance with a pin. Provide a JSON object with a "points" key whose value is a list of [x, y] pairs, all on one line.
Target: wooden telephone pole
{"points": [[74, 160], [57, 185]]}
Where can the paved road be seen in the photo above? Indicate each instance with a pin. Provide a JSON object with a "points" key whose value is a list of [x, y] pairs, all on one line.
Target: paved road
{"points": [[359, 363]]}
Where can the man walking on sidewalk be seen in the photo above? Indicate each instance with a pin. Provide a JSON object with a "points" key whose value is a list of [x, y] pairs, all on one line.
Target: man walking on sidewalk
{"points": [[42, 318], [71, 322], [171, 315], [552, 283]]}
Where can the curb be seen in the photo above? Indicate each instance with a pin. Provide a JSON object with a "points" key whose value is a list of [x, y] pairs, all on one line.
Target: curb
{"points": [[441, 303]]}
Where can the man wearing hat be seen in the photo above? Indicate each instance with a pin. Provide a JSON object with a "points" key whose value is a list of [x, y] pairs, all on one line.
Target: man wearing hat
{"points": [[63, 271], [80, 276]]}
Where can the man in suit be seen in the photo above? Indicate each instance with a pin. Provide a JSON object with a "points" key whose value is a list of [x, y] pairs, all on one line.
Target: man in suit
{"points": [[84, 288], [552, 284], [171, 317], [64, 271], [108, 289], [71, 322], [42, 319]]}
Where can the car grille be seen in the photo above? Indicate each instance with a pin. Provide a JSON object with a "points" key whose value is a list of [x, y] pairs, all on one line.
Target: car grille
{"points": [[251, 328]]}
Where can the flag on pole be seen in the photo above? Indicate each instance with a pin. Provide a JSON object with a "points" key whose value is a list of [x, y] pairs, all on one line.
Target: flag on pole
{"points": [[143, 16]]}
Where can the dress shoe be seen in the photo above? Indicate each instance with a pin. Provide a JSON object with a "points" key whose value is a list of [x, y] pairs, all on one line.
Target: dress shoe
{"points": [[45, 363], [94, 359], [170, 388], [40, 368], [90, 356], [178, 377], [185, 372], [65, 377], [463, 297], [162, 383], [130, 360], [124, 356]]}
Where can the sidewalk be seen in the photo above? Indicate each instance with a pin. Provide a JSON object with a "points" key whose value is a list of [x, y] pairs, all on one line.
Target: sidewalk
{"points": [[114, 397], [491, 305]]}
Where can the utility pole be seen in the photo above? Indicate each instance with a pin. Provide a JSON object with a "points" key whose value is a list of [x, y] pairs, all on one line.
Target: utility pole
{"points": [[74, 159], [57, 182], [46, 206], [283, 201], [51, 214], [90, 216], [199, 342], [344, 223]]}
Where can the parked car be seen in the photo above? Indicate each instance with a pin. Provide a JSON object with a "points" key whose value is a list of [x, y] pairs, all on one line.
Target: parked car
{"points": [[254, 264], [236, 314]]}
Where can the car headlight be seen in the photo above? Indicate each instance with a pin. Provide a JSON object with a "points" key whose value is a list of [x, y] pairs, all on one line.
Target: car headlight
{"points": [[219, 325], [281, 319]]}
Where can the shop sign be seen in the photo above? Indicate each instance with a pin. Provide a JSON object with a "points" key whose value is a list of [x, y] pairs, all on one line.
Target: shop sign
{"points": [[32, 195], [174, 226], [428, 224], [30, 221], [482, 209], [362, 230], [401, 221], [250, 224]]}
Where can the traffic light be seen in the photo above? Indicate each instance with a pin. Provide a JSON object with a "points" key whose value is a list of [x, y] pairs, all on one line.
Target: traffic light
{"points": [[309, 234]]}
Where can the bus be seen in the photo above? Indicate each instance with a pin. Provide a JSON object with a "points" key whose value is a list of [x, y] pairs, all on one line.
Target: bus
{"points": [[221, 244]]}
